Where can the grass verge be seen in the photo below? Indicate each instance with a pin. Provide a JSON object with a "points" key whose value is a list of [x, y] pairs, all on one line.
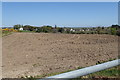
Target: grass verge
{"points": [[112, 73], [5, 33]]}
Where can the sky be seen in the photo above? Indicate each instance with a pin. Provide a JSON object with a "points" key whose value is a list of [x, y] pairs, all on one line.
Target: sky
{"points": [[63, 14], [60, 0]]}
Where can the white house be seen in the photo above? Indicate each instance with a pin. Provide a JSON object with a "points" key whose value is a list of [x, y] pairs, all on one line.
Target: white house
{"points": [[88, 29], [81, 30], [21, 28], [72, 30]]}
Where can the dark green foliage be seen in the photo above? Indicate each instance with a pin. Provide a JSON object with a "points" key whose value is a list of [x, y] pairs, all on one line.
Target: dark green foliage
{"points": [[48, 29], [92, 32], [61, 30], [115, 26], [82, 32], [29, 28], [45, 29], [118, 33], [112, 72], [113, 30], [17, 26], [26, 27]]}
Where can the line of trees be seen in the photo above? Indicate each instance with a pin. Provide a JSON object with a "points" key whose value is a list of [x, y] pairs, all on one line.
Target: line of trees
{"points": [[114, 29], [26, 27], [48, 29]]}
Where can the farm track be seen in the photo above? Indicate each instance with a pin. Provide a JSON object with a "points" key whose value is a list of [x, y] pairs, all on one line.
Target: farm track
{"points": [[43, 53]]}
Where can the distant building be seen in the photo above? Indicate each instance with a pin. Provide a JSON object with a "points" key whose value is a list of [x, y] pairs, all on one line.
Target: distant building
{"points": [[88, 30], [36, 29], [65, 29], [21, 28], [83, 30], [72, 30]]}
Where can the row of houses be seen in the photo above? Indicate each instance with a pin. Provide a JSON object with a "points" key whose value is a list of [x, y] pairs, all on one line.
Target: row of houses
{"points": [[83, 30]]}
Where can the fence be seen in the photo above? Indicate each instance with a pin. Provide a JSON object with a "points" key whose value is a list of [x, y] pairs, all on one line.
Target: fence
{"points": [[84, 71]]}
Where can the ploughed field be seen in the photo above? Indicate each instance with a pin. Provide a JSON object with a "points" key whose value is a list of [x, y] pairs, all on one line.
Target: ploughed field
{"points": [[45, 53]]}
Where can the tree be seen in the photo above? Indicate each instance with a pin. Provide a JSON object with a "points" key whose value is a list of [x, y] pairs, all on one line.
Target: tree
{"points": [[113, 31], [98, 30], [29, 28], [118, 32], [61, 30], [39, 30], [17, 26], [45, 29], [55, 26], [103, 28], [115, 26]]}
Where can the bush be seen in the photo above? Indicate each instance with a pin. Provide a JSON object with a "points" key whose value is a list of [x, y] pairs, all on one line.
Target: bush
{"points": [[45, 29], [118, 33], [113, 31]]}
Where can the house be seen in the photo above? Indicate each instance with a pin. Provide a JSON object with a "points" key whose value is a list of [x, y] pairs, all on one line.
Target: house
{"points": [[21, 28], [72, 30], [88, 30], [83, 30]]}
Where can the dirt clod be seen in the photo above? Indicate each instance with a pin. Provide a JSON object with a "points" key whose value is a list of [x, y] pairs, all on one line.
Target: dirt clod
{"points": [[54, 52]]}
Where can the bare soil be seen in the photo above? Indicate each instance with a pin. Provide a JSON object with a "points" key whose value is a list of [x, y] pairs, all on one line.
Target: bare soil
{"points": [[43, 53]]}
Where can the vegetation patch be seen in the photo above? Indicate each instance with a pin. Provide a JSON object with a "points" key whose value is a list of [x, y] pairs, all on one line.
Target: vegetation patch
{"points": [[108, 73], [112, 30], [5, 33]]}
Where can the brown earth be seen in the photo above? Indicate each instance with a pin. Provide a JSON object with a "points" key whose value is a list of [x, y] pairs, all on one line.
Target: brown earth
{"points": [[43, 53]]}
